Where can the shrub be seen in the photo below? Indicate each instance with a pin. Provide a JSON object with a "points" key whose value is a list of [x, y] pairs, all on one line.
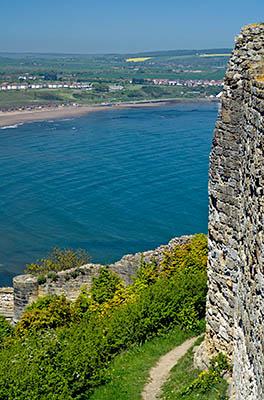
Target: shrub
{"points": [[6, 330], [74, 273], [208, 379], [42, 279], [47, 312], [31, 370], [53, 276], [191, 257], [106, 294], [69, 363], [146, 274], [104, 285], [81, 304], [59, 260]]}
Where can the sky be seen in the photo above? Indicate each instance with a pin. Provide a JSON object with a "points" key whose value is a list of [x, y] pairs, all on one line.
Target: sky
{"points": [[107, 26]]}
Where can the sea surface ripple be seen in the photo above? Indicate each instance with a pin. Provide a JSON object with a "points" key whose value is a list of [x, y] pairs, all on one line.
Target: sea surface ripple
{"points": [[112, 182]]}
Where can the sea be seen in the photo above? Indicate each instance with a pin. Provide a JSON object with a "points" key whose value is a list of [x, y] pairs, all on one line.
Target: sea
{"points": [[112, 182]]}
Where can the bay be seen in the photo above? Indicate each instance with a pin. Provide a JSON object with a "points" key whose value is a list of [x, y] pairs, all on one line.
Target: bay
{"points": [[112, 182]]}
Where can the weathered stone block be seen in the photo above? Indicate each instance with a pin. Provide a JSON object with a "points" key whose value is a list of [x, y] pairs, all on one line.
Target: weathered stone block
{"points": [[235, 301]]}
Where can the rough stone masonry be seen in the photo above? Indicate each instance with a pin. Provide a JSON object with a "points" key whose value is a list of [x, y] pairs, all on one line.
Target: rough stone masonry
{"points": [[27, 288], [235, 304]]}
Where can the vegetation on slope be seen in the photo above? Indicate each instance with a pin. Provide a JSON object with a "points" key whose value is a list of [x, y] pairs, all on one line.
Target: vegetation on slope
{"points": [[188, 383], [62, 350], [129, 371]]}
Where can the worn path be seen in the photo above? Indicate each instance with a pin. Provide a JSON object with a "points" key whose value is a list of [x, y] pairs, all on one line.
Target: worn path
{"points": [[161, 371]]}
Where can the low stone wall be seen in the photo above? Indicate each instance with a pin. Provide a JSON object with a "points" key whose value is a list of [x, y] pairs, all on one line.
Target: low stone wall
{"points": [[128, 264], [7, 302], [27, 288]]}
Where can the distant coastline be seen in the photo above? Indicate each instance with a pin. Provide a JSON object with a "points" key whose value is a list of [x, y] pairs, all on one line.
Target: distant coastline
{"points": [[12, 118]]}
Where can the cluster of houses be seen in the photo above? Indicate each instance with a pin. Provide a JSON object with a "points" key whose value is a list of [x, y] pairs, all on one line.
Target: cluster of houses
{"points": [[24, 86], [188, 82], [88, 86]]}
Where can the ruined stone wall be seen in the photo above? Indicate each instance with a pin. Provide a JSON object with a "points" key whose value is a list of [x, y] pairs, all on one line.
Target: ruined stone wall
{"points": [[7, 302], [27, 288], [235, 305]]}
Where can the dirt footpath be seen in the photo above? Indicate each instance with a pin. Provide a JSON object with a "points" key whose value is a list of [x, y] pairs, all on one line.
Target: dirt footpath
{"points": [[161, 371]]}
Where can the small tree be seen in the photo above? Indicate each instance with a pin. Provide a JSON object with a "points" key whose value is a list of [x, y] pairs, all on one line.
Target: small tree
{"points": [[59, 260], [104, 285]]}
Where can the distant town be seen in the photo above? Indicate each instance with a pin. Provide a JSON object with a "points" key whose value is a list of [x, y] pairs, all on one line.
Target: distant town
{"points": [[30, 82], [89, 85]]}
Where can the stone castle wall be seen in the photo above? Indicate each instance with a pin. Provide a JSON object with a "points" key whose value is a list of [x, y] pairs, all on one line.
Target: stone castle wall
{"points": [[27, 288], [7, 302], [235, 305]]}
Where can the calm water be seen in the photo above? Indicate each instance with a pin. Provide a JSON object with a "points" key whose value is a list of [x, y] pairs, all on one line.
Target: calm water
{"points": [[112, 182]]}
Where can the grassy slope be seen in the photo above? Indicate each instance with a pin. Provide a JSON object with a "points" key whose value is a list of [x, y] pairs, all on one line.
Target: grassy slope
{"points": [[129, 371], [182, 375], [25, 97], [132, 92]]}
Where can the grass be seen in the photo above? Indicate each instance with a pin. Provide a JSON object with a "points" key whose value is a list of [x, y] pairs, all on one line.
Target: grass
{"points": [[131, 92], [11, 98], [183, 374], [129, 371]]}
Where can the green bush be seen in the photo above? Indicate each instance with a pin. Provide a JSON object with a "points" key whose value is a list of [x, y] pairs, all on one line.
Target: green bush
{"points": [[74, 273], [42, 279], [81, 305], [53, 276], [47, 312], [104, 285], [208, 379], [146, 273], [58, 260], [191, 257], [6, 330]]}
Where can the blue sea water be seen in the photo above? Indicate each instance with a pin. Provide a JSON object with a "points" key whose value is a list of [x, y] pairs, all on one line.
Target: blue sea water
{"points": [[112, 182]]}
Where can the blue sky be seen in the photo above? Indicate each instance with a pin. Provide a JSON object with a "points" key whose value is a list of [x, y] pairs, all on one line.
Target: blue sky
{"points": [[104, 26]]}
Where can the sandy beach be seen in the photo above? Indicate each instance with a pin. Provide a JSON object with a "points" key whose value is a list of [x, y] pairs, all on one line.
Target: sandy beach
{"points": [[17, 117]]}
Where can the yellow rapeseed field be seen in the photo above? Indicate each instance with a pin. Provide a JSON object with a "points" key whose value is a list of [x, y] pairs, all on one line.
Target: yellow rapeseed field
{"points": [[138, 59]]}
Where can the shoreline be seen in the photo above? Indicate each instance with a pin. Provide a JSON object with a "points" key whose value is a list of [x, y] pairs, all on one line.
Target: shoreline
{"points": [[11, 118]]}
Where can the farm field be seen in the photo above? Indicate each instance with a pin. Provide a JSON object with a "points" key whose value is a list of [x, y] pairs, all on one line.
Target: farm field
{"points": [[131, 75]]}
